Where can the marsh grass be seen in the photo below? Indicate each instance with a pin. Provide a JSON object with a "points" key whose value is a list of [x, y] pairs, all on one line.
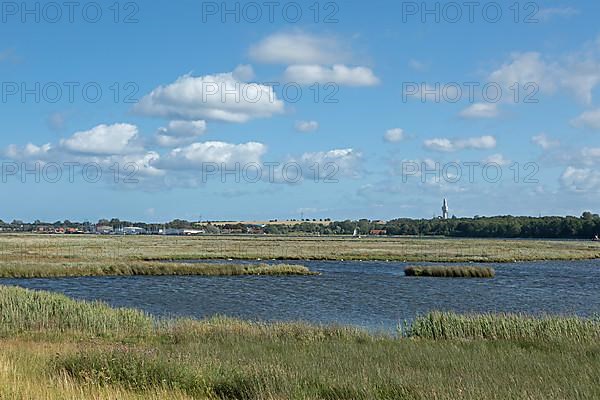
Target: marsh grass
{"points": [[449, 326], [55, 347], [132, 370], [73, 249], [450, 272], [137, 268], [30, 311]]}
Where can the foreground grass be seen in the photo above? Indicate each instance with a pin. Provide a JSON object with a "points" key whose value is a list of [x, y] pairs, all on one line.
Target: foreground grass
{"points": [[136, 268], [53, 347], [450, 272]]}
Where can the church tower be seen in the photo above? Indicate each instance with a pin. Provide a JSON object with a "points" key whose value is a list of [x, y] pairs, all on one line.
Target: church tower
{"points": [[445, 210]]}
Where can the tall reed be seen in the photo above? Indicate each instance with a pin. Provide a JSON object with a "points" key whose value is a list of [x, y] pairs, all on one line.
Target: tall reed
{"points": [[451, 272]]}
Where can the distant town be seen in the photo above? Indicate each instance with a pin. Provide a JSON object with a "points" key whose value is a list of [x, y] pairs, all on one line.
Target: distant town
{"points": [[586, 226]]}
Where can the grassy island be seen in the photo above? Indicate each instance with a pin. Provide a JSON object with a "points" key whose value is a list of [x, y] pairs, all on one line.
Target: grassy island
{"points": [[137, 268], [450, 272]]}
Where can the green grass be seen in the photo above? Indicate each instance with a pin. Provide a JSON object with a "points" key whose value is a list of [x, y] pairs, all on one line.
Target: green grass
{"points": [[18, 249], [133, 370], [136, 268], [28, 311], [450, 272], [55, 347], [451, 326]]}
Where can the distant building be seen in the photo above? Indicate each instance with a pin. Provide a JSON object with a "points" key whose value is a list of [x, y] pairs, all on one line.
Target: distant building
{"points": [[445, 209], [378, 232], [133, 230], [193, 232], [171, 231], [104, 230]]}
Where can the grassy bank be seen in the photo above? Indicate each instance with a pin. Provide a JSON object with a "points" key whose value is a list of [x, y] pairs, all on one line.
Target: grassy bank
{"points": [[49, 249], [138, 268], [450, 272], [57, 348]]}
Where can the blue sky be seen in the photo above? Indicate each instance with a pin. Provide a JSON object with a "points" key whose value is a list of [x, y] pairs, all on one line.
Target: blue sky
{"points": [[189, 93]]}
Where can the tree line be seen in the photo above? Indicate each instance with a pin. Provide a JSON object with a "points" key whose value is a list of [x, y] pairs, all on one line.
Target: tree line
{"points": [[586, 226]]}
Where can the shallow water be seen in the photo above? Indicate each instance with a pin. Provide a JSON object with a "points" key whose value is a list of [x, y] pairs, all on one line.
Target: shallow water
{"points": [[373, 295]]}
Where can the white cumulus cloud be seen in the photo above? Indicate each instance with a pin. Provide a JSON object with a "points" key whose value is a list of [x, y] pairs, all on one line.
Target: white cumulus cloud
{"points": [[450, 145], [195, 155], [178, 133], [104, 139], [497, 159], [217, 97], [543, 141], [340, 74], [394, 135], [480, 110], [589, 119], [580, 179], [306, 126], [298, 48]]}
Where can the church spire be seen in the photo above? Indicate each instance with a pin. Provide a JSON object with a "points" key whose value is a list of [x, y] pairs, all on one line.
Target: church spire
{"points": [[445, 209]]}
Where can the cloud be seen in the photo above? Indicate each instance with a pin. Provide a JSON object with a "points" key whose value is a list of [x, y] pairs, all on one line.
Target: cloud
{"points": [[178, 133], [580, 179], [312, 59], [184, 128], [243, 73], [298, 48], [104, 146], [339, 74], [307, 126], [29, 151], [589, 156], [57, 121], [394, 135], [546, 14], [578, 73], [104, 139], [589, 120], [417, 65], [525, 75], [332, 164], [449, 145], [584, 157], [543, 141], [9, 56], [196, 155], [219, 97], [497, 159], [480, 110], [524, 68]]}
